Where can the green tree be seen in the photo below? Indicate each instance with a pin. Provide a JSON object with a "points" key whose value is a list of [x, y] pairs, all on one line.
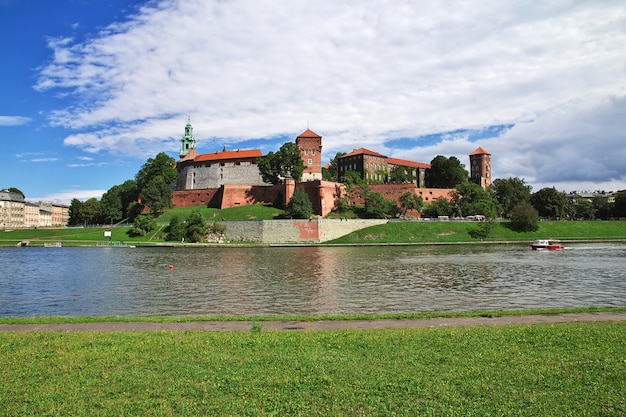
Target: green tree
{"points": [[549, 203], [510, 192], [603, 209], [16, 190], [157, 195], [471, 199], [333, 169], [299, 206], [162, 166], [438, 207], [410, 201], [379, 207], [584, 209], [144, 223], [619, 207], [287, 162], [75, 212], [176, 229], [90, 211], [401, 175], [524, 218], [197, 229], [447, 172], [355, 188]]}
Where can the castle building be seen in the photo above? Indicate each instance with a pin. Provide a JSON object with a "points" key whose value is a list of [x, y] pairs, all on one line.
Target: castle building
{"points": [[372, 166], [480, 167], [310, 144]]}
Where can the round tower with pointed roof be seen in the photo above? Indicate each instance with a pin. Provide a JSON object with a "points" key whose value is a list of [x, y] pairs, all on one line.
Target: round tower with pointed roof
{"points": [[480, 167]]}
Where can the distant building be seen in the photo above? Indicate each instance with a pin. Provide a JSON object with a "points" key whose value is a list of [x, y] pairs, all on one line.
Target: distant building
{"points": [[16, 213], [372, 166], [11, 210], [213, 170], [418, 171], [310, 144], [480, 167]]}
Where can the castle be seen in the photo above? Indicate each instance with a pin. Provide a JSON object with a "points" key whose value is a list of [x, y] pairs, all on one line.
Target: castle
{"points": [[231, 178]]}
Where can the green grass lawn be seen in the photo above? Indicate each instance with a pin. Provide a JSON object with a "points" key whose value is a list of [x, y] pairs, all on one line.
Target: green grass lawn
{"points": [[572, 369], [441, 232]]}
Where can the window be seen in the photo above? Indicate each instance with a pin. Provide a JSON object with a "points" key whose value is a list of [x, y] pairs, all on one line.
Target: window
{"points": [[310, 161]]}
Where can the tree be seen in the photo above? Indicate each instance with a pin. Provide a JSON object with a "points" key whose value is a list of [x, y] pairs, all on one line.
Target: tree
{"points": [[379, 207], [510, 192], [524, 218], [355, 187], [549, 202], [75, 212], [333, 169], [143, 224], [197, 229], [447, 173], [176, 229], [619, 207], [438, 207], [16, 190], [162, 166], [157, 195], [584, 209], [401, 175], [410, 201], [603, 209], [287, 162], [89, 211], [471, 199], [299, 206]]}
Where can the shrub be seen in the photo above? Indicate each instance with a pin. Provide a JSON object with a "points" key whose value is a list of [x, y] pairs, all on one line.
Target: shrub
{"points": [[524, 218]]}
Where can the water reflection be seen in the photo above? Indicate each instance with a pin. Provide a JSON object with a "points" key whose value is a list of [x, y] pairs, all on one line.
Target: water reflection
{"points": [[306, 280]]}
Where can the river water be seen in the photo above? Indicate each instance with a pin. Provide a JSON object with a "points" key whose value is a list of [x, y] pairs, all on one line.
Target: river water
{"points": [[93, 281]]}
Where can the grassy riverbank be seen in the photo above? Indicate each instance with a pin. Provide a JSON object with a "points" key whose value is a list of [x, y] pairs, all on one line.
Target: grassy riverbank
{"points": [[449, 232], [540, 370], [392, 232]]}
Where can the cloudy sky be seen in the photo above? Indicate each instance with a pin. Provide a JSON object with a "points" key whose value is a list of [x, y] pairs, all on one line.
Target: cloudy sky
{"points": [[91, 89]]}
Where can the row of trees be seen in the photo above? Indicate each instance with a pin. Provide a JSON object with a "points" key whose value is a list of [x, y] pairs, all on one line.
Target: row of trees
{"points": [[125, 202]]}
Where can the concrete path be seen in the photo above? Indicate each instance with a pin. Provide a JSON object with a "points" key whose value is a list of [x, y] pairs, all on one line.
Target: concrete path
{"points": [[317, 325]]}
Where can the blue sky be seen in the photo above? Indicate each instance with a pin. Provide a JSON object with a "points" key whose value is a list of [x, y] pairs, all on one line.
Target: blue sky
{"points": [[91, 89]]}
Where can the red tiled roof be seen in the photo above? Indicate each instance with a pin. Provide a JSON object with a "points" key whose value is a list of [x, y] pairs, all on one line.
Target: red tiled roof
{"points": [[363, 151], [407, 163], [480, 151], [308, 134], [238, 154]]}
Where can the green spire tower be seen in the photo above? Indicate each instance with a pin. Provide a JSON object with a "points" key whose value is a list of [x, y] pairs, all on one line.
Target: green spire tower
{"points": [[188, 141]]}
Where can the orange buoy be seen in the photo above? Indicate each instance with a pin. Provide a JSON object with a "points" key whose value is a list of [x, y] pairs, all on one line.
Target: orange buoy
{"points": [[171, 267]]}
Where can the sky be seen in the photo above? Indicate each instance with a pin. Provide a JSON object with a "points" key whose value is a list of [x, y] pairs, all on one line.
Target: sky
{"points": [[89, 90]]}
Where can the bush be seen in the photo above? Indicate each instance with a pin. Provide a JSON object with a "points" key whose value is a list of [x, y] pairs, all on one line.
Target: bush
{"points": [[524, 218], [299, 206], [144, 223]]}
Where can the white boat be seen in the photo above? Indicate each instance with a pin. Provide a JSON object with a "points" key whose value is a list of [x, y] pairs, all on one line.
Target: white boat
{"points": [[547, 244]]}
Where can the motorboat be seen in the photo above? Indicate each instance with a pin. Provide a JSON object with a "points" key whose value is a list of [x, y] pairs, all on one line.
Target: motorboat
{"points": [[547, 244]]}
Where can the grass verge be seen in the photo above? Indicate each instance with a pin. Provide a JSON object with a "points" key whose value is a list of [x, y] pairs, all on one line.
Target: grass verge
{"points": [[184, 319], [539, 370]]}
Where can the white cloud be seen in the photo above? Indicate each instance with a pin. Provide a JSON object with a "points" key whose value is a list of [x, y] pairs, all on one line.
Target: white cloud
{"points": [[361, 72], [66, 197], [14, 120]]}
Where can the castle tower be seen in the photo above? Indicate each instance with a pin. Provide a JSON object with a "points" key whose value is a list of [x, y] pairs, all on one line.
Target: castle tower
{"points": [[310, 144], [188, 142], [480, 167]]}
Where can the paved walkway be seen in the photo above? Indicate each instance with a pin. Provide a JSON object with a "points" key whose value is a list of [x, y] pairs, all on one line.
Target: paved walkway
{"points": [[318, 325]]}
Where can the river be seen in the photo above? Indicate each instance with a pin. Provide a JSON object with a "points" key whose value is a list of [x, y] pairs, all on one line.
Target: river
{"points": [[96, 281]]}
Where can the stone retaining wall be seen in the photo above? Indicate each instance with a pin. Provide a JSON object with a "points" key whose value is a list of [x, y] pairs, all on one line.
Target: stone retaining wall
{"points": [[293, 231]]}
